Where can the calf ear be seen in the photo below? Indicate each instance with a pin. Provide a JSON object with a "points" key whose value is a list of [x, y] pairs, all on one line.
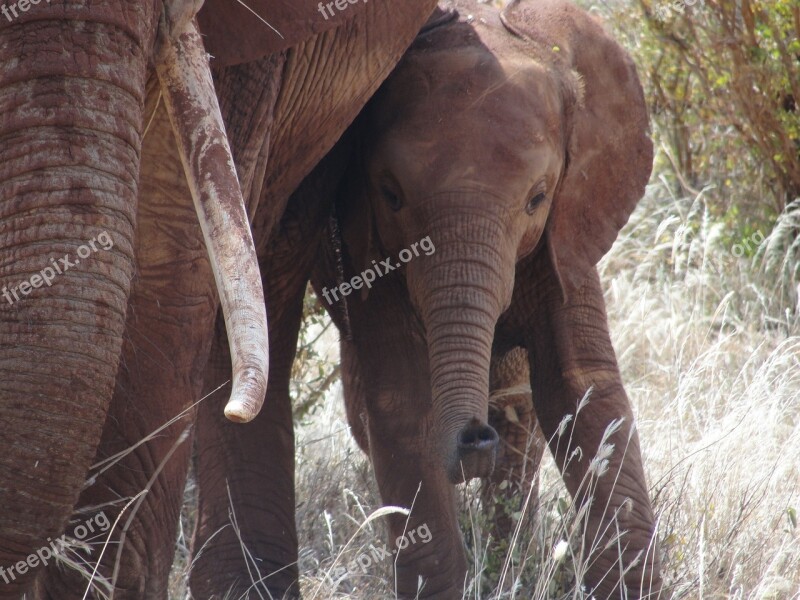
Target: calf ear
{"points": [[357, 218], [237, 31], [609, 151]]}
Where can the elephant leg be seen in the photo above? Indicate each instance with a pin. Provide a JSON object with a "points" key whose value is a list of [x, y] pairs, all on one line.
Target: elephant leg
{"points": [[409, 475], [354, 395], [514, 484], [246, 539], [168, 337], [571, 353], [246, 535], [392, 368]]}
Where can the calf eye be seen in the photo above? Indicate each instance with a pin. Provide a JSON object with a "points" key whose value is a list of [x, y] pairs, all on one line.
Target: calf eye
{"points": [[392, 199], [534, 202]]}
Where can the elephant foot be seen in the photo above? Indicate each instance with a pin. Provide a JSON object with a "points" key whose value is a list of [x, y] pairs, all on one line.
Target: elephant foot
{"points": [[216, 575]]}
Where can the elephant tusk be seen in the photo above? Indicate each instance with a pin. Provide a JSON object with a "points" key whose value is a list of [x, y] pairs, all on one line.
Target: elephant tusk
{"points": [[191, 103]]}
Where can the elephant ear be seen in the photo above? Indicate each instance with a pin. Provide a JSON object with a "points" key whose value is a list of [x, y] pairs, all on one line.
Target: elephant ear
{"points": [[238, 31], [361, 245], [609, 151]]}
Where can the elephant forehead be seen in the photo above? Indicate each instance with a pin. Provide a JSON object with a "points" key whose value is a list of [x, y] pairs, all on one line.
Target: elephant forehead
{"points": [[472, 119], [457, 91]]}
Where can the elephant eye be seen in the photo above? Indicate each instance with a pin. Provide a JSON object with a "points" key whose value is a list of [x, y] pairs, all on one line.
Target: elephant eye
{"points": [[392, 198], [534, 202]]}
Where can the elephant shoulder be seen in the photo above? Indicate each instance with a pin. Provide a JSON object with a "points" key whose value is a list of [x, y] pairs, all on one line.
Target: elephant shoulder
{"points": [[239, 32]]}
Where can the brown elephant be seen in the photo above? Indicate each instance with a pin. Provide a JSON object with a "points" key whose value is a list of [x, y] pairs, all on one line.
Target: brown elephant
{"points": [[511, 147], [104, 108]]}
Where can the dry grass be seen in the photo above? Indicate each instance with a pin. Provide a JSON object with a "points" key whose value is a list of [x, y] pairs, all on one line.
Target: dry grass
{"points": [[711, 362]]}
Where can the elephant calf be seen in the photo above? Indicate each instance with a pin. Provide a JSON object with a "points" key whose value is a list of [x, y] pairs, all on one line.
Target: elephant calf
{"points": [[518, 143]]}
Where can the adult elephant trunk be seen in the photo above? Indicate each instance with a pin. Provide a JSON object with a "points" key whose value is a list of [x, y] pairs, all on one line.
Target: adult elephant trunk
{"points": [[460, 292], [70, 140], [70, 149]]}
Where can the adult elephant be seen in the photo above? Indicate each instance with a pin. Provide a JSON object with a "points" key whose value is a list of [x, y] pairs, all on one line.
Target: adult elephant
{"points": [[90, 95], [487, 177]]}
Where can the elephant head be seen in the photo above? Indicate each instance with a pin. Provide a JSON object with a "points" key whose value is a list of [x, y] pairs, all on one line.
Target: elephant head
{"points": [[499, 142]]}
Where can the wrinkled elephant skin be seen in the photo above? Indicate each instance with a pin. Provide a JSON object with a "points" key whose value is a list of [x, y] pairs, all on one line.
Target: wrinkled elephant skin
{"points": [[94, 142]]}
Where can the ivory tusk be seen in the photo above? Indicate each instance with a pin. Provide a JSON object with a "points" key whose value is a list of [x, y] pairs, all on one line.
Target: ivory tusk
{"points": [[191, 103]]}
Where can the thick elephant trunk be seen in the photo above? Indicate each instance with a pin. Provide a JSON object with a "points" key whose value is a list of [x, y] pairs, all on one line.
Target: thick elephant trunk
{"points": [[71, 100], [460, 291], [70, 140]]}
